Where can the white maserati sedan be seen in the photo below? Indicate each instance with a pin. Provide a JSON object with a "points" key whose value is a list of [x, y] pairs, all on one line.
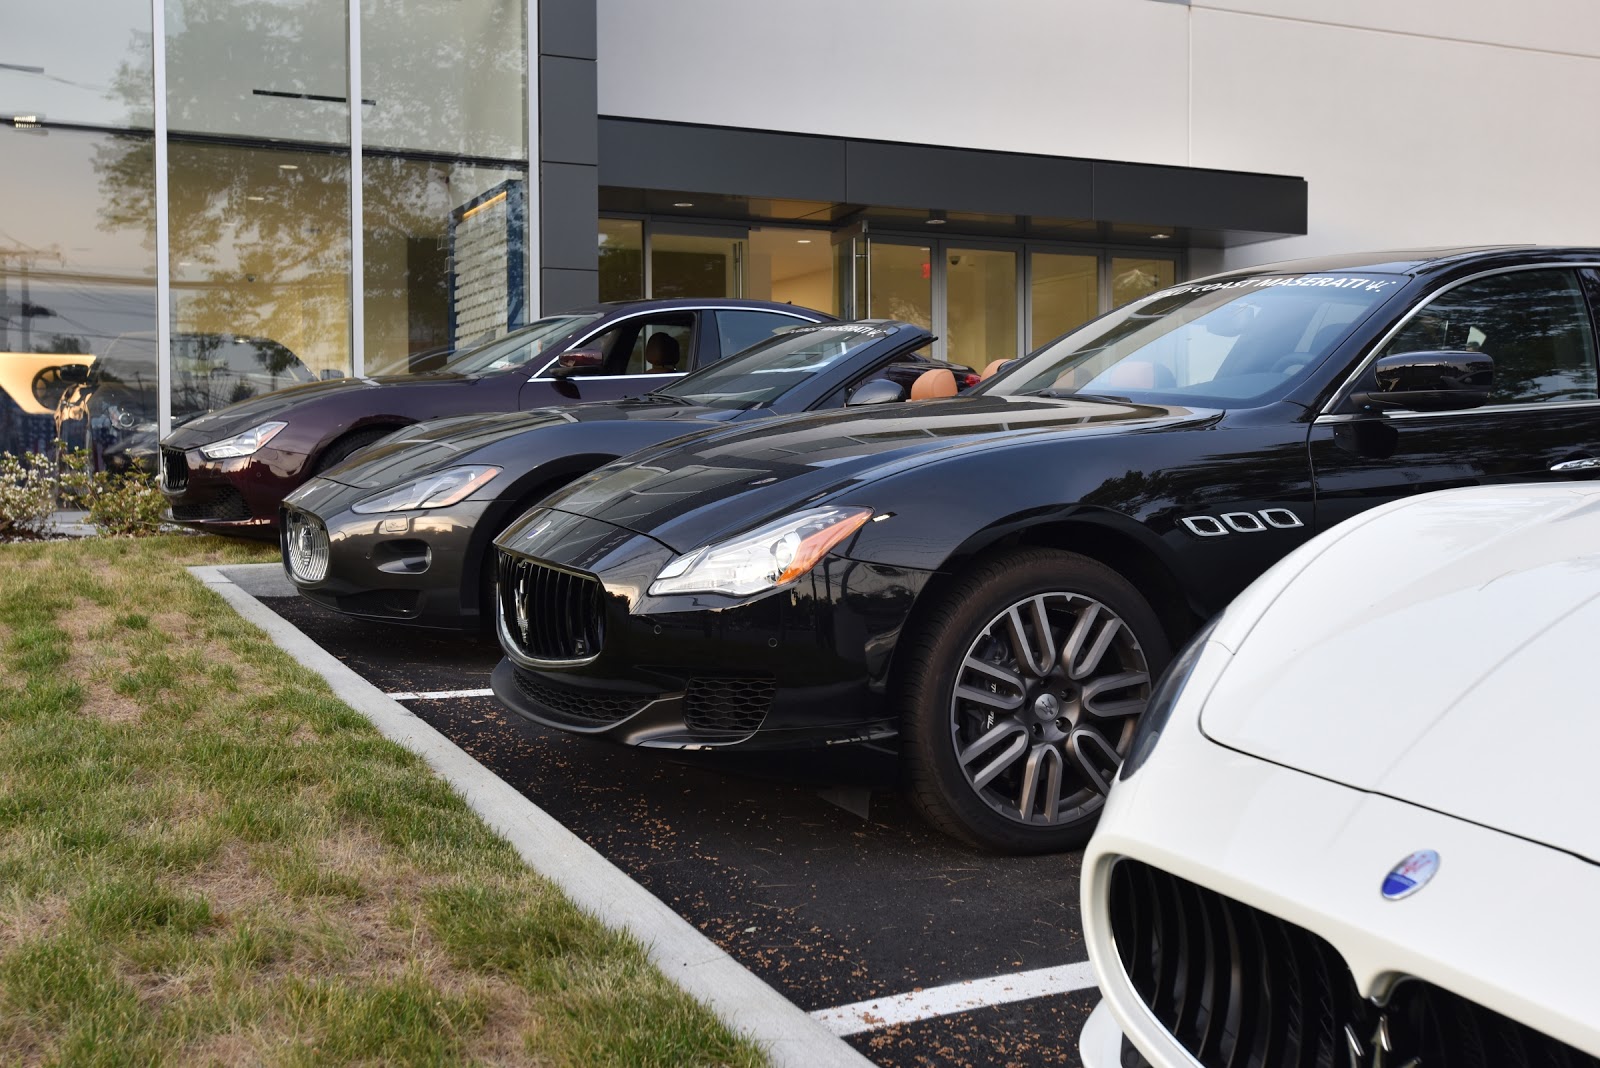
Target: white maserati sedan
{"points": [[1360, 825]]}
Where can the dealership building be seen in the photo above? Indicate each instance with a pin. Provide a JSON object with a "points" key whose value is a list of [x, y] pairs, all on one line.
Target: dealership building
{"points": [[208, 198]]}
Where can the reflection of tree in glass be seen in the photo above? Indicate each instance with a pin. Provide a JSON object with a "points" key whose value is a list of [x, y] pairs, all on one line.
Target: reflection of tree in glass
{"points": [[1533, 324]]}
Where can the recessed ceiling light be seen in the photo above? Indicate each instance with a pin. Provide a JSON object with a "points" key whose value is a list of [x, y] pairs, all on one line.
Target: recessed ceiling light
{"points": [[936, 218], [683, 204], [255, 198], [1161, 237], [802, 241], [288, 166]]}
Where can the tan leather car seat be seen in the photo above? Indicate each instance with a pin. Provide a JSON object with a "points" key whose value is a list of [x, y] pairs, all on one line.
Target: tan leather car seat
{"points": [[995, 367], [930, 385]]}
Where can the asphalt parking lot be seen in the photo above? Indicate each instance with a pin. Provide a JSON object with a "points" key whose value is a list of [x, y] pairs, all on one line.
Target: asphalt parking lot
{"points": [[808, 869]]}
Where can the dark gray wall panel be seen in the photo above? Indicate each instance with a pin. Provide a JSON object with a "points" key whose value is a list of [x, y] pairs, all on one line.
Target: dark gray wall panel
{"points": [[567, 28], [1237, 206], [562, 291], [571, 198], [925, 176], [1189, 197], [568, 131], [751, 163]]}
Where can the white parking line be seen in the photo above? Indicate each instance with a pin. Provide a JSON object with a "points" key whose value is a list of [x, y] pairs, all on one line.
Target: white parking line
{"points": [[956, 997], [437, 695]]}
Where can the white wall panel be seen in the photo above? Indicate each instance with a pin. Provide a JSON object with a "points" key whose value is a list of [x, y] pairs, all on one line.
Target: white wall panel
{"points": [[1404, 140], [1552, 25], [1098, 78]]}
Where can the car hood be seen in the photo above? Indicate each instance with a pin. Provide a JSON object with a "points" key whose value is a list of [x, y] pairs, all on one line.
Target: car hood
{"points": [[225, 422], [506, 436], [689, 493], [1459, 683]]}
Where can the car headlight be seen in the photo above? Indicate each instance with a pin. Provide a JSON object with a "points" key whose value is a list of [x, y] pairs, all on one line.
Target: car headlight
{"points": [[245, 444], [1162, 699], [438, 490], [764, 558]]}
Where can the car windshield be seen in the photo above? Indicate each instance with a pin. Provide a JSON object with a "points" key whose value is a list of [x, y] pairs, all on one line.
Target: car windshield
{"points": [[517, 347], [1240, 342], [764, 372]]}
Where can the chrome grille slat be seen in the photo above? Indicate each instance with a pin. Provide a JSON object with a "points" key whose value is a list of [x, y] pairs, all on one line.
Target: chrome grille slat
{"points": [[1240, 988], [550, 615], [174, 469]]}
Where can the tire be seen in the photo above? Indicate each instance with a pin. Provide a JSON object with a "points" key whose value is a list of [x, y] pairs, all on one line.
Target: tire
{"points": [[349, 445], [1022, 717]]}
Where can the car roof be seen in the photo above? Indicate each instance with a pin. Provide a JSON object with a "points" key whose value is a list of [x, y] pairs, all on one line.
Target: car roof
{"points": [[1409, 261], [665, 304]]}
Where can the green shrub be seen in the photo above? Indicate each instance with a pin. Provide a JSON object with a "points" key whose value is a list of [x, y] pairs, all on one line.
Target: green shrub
{"points": [[27, 493], [130, 503], [33, 485]]}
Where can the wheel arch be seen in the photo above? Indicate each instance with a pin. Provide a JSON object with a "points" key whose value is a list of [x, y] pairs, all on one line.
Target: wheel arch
{"points": [[1106, 537], [528, 489], [387, 424]]}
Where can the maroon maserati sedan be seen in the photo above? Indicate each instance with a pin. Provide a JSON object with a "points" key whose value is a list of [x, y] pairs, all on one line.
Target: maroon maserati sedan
{"points": [[227, 472]]}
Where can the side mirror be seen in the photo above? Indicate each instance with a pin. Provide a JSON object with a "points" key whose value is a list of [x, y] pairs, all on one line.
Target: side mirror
{"points": [[579, 362], [1429, 382], [878, 391]]}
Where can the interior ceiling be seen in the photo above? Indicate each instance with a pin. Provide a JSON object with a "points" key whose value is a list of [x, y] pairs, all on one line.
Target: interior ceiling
{"points": [[703, 206]]}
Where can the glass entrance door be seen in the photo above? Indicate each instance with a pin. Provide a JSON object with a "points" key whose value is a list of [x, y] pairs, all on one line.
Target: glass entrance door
{"points": [[698, 262], [980, 305], [900, 282]]}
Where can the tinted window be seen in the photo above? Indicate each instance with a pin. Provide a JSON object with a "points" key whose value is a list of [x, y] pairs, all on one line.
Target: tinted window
{"points": [[741, 329], [1240, 341], [517, 347], [1534, 325], [761, 374]]}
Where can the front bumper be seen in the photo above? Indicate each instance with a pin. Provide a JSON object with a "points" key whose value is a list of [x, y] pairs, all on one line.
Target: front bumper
{"points": [[236, 496], [801, 666], [411, 567], [1504, 924]]}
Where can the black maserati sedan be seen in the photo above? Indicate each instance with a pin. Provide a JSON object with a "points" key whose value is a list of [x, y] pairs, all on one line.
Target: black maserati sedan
{"points": [[400, 532], [226, 472], [999, 579]]}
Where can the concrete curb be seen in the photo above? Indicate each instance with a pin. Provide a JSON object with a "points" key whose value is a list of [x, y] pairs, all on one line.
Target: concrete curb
{"points": [[746, 1004]]}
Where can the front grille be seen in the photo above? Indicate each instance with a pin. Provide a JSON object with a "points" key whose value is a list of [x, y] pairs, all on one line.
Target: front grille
{"points": [[565, 703], [226, 503], [552, 615], [1239, 988], [305, 547], [174, 469], [727, 704]]}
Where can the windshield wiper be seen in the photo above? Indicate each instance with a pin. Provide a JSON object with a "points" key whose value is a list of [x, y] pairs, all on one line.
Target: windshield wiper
{"points": [[1072, 394]]}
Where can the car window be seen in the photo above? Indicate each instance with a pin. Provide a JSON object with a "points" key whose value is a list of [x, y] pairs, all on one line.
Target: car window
{"points": [[1236, 342], [517, 347], [738, 330], [653, 344], [761, 374], [1535, 325]]}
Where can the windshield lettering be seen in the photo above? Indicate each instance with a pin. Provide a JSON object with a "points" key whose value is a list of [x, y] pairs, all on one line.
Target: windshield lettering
{"points": [[1236, 342]]}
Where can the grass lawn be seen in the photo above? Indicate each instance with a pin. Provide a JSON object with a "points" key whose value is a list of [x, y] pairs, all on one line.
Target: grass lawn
{"points": [[207, 858]]}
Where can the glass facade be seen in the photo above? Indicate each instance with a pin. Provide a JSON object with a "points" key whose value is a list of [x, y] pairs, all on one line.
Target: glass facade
{"points": [[267, 202], [77, 292]]}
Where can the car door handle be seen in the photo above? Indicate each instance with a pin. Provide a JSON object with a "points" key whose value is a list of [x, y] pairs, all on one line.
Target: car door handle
{"points": [[1588, 463]]}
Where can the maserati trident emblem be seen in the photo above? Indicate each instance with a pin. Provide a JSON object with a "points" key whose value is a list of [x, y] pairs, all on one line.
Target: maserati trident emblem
{"points": [[1410, 875], [1379, 1056]]}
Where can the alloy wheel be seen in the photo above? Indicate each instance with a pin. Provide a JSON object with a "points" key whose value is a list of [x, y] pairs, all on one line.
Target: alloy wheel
{"points": [[1044, 707]]}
